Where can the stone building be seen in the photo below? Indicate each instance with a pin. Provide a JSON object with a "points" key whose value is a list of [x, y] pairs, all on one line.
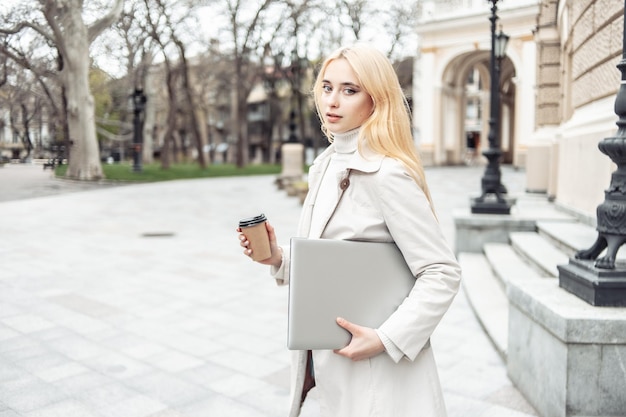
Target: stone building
{"points": [[557, 87], [579, 45]]}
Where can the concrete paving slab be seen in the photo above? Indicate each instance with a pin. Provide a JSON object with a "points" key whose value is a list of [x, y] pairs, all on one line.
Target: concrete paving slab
{"points": [[136, 301]]}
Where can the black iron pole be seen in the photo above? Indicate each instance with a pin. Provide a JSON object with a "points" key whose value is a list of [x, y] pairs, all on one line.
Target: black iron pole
{"points": [[139, 100], [491, 201], [295, 90]]}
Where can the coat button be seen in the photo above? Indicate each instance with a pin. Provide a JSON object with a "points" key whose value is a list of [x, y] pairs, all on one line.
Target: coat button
{"points": [[345, 183]]}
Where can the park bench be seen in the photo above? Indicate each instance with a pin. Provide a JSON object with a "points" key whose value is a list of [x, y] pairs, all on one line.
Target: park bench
{"points": [[50, 163]]}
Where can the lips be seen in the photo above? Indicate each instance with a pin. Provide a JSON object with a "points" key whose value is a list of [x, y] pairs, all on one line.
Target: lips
{"points": [[332, 117]]}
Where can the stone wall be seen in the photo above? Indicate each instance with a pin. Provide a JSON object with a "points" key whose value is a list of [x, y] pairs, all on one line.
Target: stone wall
{"points": [[565, 355], [548, 66], [595, 33], [591, 34], [549, 84], [577, 54]]}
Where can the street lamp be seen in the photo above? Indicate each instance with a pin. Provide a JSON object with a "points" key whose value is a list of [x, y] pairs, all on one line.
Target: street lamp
{"points": [[294, 72], [292, 151], [601, 281], [139, 103], [491, 200]]}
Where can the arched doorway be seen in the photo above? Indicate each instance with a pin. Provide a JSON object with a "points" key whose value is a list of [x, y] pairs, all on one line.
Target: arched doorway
{"points": [[465, 109]]}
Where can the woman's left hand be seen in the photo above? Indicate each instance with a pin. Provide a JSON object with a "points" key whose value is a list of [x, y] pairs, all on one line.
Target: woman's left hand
{"points": [[365, 342]]}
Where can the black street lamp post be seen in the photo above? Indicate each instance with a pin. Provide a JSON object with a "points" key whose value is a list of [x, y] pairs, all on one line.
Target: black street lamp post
{"points": [[139, 103], [292, 151], [294, 76], [491, 200], [601, 281]]}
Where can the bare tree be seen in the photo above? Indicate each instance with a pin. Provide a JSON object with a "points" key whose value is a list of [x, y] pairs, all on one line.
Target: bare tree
{"points": [[164, 30], [66, 30], [355, 14], [128, 45], [300, 16], [245, 29], [32, 55], [400, 24], [390, 25], [213, 80], [23, 98], [152, 27], [21, 113]]}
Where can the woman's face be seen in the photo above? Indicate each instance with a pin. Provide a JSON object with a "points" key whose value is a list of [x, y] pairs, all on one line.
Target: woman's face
{"points": [[344, 104]]}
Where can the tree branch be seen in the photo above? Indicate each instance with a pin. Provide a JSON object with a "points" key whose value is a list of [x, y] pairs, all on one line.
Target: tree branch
{"points": [[5, 76], [27, 25], [100, 25], [244, 46], [23, 62], [57, 38]]}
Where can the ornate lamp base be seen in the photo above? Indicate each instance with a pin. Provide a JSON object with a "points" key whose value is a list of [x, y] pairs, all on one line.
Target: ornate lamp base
{"points": [[495, 205], [598, 287]]}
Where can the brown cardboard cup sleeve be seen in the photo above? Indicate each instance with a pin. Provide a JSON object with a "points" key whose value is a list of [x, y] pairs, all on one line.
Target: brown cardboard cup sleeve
{"points": [[255, 231]]}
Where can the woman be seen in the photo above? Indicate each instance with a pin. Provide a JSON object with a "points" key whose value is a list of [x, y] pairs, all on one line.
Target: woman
{"points": [[369, 185]]}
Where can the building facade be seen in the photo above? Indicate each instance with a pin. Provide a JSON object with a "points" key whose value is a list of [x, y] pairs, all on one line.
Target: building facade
{"points": [[557, 87], [589, 35]]}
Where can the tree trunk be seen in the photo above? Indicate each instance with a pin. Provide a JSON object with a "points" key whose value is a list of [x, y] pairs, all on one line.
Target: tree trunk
{"points": [[28, 144], [239, 117], [149, 119], [166, 150], [84, 160], [72, 38], [187, 89]]}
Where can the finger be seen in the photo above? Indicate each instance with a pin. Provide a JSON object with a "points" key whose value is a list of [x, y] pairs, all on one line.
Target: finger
{"points": [[351, 327], [343, 351], [271, 233], [346, 352]]}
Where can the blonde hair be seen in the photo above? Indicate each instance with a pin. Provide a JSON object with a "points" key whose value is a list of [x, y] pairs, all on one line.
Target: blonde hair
{"points": [[387, 130]]}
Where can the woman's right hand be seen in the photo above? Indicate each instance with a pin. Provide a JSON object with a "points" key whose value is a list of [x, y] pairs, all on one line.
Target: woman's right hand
{"points": [[276, 259]]}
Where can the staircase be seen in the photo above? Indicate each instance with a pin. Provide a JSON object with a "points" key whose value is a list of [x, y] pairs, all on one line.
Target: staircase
{"points": [[526, 256], [562, 352]]}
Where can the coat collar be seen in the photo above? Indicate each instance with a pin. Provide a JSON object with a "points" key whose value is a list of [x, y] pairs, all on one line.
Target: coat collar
{"points": [[364, 160], [370, 163]]}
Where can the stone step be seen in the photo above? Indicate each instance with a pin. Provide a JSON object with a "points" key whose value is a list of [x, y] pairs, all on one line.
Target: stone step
{"points": [[487, 298], [539, 252], [507, 265], [568, 237], [571, 237]]}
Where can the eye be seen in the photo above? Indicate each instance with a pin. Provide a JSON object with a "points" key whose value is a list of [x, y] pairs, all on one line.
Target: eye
{"points": [[349, 91], [327, 88]]}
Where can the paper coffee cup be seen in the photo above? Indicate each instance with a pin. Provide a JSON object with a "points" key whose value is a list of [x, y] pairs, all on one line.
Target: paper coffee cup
{"points": [[256, 233]]}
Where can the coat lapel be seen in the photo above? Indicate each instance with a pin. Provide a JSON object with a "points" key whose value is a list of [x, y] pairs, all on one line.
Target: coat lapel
{"points": [[343, 181], [370, 163], [316, 172]]}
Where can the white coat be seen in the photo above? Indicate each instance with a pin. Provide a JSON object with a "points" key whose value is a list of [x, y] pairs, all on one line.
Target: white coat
{"points": [[378, 200]]}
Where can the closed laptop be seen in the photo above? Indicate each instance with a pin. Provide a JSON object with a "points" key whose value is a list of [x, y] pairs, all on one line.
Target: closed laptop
{"points": [[363, 282]]}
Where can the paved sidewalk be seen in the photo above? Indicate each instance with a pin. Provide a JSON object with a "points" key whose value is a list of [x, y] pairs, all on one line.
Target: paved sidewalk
{"points": [[22, 181], [135, 301]]}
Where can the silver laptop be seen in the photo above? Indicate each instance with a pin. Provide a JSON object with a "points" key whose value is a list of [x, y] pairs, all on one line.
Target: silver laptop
{"points": [[363, 282]]}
